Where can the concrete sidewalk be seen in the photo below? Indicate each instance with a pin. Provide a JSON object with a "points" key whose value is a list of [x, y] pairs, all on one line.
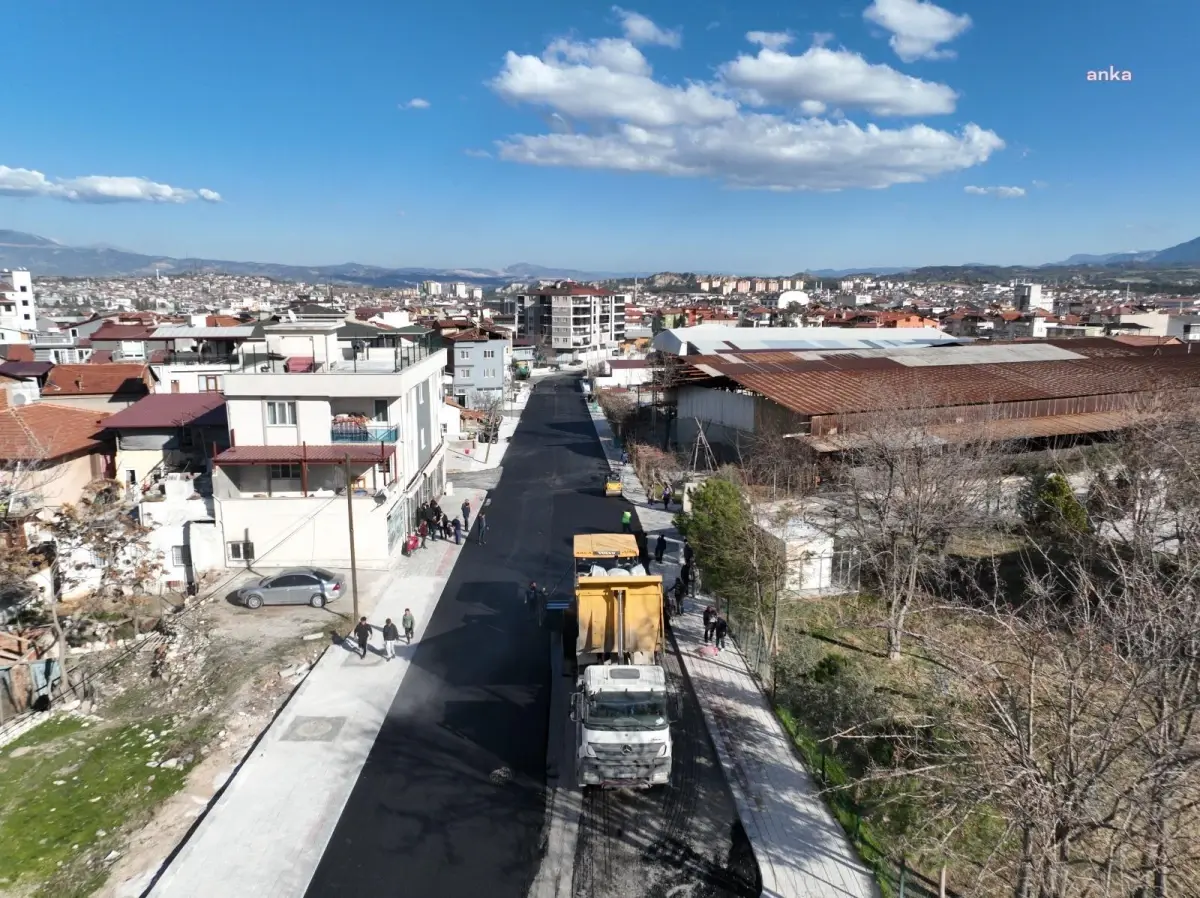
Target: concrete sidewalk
{"points": [[266, 832], [801, 849]]}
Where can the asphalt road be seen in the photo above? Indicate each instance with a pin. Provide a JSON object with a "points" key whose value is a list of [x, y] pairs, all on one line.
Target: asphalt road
{"points": [[451, 800]]}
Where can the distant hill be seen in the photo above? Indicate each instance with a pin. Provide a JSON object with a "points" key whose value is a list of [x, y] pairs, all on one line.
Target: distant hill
{"points": [[1180, 254], [848, 272], [48, 257]]}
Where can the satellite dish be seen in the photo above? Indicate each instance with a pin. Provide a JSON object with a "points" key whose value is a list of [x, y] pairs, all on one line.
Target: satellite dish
{"points": [[20, 399]]}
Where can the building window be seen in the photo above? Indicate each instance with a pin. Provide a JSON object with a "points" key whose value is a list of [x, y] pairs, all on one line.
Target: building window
{"points": [[381, 410], [281, 413], [211, 383], [489, 353], [240, 551], [181, 556], [464, 354], [24, 289], [285, 472]]}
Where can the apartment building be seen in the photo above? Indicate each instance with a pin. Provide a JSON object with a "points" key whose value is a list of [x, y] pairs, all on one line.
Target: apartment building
{"points": [[305, 428], [18, 307], [571, 323], [479, 365]]}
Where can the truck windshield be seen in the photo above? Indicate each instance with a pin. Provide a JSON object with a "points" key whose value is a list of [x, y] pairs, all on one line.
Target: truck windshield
{"points": [[629, 711]]}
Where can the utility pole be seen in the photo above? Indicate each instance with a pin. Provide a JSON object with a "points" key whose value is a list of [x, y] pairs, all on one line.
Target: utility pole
{"points": [[353, 555]]}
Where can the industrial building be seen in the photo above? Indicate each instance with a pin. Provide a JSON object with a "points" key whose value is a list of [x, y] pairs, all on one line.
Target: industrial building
{"points": [[1022, 391]]}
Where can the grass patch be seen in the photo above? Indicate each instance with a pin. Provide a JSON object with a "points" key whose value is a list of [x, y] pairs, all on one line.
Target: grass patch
{"points": [[69, 795]]}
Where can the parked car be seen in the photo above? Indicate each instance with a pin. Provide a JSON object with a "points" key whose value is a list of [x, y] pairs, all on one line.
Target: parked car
{"points": [[298, 586]]}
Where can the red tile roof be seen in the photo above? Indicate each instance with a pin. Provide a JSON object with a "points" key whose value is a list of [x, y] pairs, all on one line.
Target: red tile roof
{"points": [[18, 352], [44, 431], [101, 357], [315, 455], [167, 410], [110, 331], [96, 380]]}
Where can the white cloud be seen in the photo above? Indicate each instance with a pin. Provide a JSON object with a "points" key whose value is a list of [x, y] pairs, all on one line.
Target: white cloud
{"points": [[1007, 193], [596, 93], [24, 182], [416, 103], [478, 154], [918, 27], [772, 40], [1040, 184], [834, 78], [640, 30], [772, 120]]}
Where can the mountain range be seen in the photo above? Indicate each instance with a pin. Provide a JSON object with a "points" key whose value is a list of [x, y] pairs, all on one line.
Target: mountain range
{"points": [[50, 258]]}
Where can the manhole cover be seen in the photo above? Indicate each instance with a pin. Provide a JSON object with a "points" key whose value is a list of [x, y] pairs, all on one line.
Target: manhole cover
{"points": [[501, 775], [314, 729]]}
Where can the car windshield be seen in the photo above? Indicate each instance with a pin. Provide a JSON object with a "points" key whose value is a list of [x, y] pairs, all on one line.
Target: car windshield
{"points": [[325, 575], [630, 711]]}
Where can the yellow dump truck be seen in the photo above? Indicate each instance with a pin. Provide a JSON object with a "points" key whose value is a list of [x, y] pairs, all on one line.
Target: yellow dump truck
{"points": [[619, 707]]}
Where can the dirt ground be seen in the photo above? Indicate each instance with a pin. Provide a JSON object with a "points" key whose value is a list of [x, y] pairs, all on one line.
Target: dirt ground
{"points": [[227, 671]]}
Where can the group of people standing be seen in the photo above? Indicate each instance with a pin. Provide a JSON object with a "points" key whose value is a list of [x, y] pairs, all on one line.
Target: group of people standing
{"points": [[433, 522]]}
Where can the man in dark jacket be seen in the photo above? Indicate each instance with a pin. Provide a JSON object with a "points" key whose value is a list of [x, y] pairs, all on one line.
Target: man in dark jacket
{"points": [[457, 532], [466, 512], [363, 634], [390, 637], [721, 630], [709, 617], [660, 548]]}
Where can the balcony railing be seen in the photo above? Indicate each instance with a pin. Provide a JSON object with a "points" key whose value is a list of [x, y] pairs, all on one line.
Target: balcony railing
{"points": [[222, 357], [346, 432]]}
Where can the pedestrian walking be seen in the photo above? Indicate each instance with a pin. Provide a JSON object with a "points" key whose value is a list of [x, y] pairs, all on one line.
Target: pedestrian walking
{"points": [[409, 625], [466, 511], [688, 553], [624, 457], [423, 530], [627, 521], [666, 496], [457, 532], [685, 574], [660, 548], [677, 589], [363, 634], [710, 617], [721, 631], [390, 637], [481, 525]]}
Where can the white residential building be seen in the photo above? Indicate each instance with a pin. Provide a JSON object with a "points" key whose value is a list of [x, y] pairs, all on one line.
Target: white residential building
{"points": [[431, 288], [1027, 297], [304, 428], [583, 324], [18, 308]]}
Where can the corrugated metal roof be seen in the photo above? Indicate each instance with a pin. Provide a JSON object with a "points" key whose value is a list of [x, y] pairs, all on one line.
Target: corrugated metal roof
{"points": [[841, 385], [1007, 429], [179, 332], [169, 410]]}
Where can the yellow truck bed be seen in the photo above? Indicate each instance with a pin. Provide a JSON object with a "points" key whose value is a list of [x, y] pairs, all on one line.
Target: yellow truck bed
{"points": [[596, 605]]}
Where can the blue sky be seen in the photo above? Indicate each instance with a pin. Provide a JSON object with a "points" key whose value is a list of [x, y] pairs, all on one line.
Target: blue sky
{"points": [[567, 134]]}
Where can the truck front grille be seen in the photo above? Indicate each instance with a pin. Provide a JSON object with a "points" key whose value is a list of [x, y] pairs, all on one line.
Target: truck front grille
{"points": [[629, 752]]}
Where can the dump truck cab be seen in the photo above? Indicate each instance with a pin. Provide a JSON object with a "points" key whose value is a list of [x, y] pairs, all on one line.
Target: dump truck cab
{"points": [[619, 707]]}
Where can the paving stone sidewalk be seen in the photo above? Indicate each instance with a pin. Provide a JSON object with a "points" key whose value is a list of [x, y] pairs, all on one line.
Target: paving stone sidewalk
{"points": [[801, 849], [266, 833]]}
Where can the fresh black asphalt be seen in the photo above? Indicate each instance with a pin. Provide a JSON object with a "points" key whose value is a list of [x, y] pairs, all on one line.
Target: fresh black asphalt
{"points": [[451, 800]]}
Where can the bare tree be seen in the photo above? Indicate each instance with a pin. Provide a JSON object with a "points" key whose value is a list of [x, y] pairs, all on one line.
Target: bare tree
{"points": [[903, 491], [619, 407]]}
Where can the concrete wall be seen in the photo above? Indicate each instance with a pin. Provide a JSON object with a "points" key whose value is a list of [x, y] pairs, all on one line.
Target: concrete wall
{"points": [[311, 531], [60, 484], [191, 378], [140, 461]]}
